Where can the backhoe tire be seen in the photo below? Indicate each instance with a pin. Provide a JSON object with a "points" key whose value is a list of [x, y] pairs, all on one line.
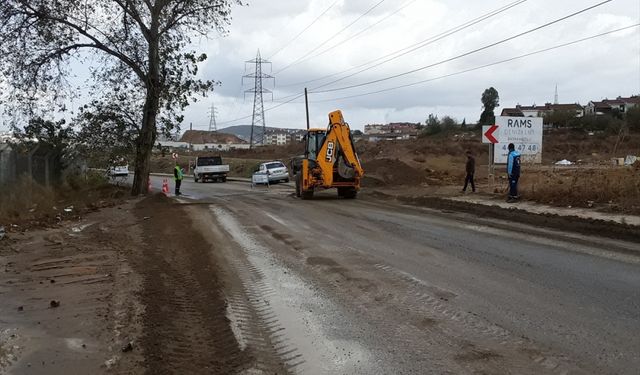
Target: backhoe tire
{"points": [[298, 184], [307, 195], [347, 193]]}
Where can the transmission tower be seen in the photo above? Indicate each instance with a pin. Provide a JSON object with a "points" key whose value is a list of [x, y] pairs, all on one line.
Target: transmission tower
{"points": [[258, 123], [212, 119]]}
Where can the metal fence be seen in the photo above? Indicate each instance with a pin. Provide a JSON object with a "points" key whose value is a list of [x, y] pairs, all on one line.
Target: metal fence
{"points": [[39, 162]]}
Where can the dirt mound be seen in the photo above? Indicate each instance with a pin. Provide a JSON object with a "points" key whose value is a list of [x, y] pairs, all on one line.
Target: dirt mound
{"points": [[202, 136], [393, 171]]}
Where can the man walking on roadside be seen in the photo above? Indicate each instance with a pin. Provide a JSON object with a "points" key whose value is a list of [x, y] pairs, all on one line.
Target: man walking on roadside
{"points": [[513, 172], [471, 170], [178, 175]]}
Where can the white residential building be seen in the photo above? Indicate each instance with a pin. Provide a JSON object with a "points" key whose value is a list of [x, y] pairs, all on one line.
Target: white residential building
{"points": [[219, 146]]}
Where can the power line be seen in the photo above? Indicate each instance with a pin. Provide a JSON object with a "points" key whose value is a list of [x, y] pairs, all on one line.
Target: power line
{"points": [[333, 36], [406, 4], [411, 48], [448, 75], [482, 66], [421, 45], [266, 110], [467, 53], [304, 30]]}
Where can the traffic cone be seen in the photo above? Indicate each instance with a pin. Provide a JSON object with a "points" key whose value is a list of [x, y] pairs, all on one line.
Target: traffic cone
{"points": [[165, 186]]}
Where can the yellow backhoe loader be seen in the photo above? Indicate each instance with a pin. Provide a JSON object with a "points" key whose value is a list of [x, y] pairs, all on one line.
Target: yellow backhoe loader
{"points": [[330, 161]]}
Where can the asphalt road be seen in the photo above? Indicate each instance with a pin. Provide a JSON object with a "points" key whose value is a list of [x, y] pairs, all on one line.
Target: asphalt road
{"points": [[368, 287]]}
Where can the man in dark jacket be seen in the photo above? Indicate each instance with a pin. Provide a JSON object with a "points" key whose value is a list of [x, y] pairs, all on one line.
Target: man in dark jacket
{"points": [[178, 175], [513, 172], [471, 170]]}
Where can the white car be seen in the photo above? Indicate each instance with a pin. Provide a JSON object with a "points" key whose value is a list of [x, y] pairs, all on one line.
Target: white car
{"points": [[119, 170], [275, 170]]}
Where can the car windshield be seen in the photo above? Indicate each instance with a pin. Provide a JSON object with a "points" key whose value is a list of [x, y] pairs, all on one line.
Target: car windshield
{"points": [[209, 161], [274, 165]]}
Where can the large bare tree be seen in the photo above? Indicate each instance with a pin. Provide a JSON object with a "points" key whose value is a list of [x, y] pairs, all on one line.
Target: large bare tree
{"points": [[142, 49]]}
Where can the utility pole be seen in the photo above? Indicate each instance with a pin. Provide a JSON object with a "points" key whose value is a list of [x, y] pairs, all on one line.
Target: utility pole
{"points": [[258, 123], [212, 119]]}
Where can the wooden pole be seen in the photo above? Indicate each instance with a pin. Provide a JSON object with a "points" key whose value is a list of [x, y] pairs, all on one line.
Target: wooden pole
{"points": [[306, 104], [490, 177]]}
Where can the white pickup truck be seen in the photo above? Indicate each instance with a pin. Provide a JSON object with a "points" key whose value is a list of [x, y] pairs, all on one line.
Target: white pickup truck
{"points": [[210, 168]]}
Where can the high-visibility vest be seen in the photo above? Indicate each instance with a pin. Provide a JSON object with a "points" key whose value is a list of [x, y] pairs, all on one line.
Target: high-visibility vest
{"points": [[178, 175]]}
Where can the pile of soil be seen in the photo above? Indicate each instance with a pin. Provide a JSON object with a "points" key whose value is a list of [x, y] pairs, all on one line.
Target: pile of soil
{"points": [[393, 172]]}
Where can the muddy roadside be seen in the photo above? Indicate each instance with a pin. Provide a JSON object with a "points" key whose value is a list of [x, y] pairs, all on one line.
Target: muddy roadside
{"points": [[130, 289], [185, 329], [68, 296]]}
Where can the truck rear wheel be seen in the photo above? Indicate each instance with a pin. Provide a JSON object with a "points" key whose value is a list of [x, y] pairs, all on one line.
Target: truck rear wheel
{"points": [[224, 179]]}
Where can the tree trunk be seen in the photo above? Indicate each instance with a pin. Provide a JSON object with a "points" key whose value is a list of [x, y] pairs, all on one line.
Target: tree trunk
{"points": [[144, 144], [147, 135]]}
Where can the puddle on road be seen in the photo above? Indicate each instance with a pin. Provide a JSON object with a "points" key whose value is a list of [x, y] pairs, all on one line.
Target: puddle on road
{"points": [[313, 325]]}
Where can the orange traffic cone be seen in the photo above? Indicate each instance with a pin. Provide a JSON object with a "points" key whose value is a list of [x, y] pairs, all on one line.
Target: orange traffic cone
{"points": [[165, 186]]}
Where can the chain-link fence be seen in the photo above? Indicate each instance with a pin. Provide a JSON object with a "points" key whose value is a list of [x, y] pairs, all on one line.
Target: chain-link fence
{"points": [[39, 162]]}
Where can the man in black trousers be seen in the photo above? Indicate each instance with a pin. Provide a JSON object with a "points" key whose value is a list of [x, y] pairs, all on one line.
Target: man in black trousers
{"points": [[471, 170]]}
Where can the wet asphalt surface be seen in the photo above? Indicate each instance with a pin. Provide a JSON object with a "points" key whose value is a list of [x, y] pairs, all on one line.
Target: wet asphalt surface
{"points": [[362, 286]]}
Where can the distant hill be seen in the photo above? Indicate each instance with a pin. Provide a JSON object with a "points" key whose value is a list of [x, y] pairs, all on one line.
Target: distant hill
{"points": [[244, 131]]}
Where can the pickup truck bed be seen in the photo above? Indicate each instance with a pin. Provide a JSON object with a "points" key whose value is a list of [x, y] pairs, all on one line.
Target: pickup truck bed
{"points": [[210, 169]]}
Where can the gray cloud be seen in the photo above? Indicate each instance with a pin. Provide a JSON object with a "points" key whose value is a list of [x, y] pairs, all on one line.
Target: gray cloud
{"points": [[604, 67]]}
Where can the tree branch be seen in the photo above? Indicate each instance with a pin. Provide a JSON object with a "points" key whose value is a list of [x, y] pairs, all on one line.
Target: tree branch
{"points": [[131, 10], [98, 43], [178, 16]]}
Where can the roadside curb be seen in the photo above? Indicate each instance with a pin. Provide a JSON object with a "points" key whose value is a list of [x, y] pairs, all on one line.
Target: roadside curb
{"points": [[576, 224]]}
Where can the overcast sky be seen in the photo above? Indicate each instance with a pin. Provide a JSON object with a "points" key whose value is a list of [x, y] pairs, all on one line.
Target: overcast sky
{"points": [[604, 67]]}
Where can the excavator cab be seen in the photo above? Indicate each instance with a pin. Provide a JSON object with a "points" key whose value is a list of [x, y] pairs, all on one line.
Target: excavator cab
{"points": [[314, 140]]}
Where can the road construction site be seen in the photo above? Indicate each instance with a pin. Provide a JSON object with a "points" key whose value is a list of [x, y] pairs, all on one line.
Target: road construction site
{"points": [[233, 279]]}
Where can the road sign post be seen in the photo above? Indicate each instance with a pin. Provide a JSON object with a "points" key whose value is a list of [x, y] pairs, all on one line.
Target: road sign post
{"points": [[489, 136], [490, 176]]}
